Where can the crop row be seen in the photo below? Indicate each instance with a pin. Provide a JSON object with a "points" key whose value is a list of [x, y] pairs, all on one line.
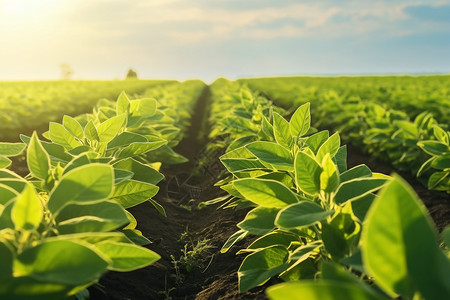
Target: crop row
{"points": [[420, 146], [28, 106], [65, 224], [411, 94], [317, 225]]}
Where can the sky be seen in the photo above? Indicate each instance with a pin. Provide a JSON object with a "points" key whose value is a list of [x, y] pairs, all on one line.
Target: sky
{"points": [[181, 39]]}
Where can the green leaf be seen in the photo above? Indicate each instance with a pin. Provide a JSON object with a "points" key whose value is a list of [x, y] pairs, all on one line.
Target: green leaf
{"points": [[359, 171], [273, 154], [307, 173], [316, 140], [131, 192], [38, 159], [27, 212], [300, 121], [109, 129], [123, 104], [340, 159], [319, 290], [11, 149], [259, 220], [281, 238], [126, 257], [90, 131], [329, 178], [73, 127], [143, 107], [235, 165], [126, 138], [303, 213], [4, 162], [331, 146], [60, 261], [357, 188], [265, 192], [6, 253], [436, 178], [441, 162], [433, 147], [6, 194], [260, 266], [141, 172], [89, 183], [400, 245], [59, 135], [96, 217], [234, 238], [281, 130], [140, 148]]}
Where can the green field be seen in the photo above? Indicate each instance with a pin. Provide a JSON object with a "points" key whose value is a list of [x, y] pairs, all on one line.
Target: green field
{"points": [[324, 188]]}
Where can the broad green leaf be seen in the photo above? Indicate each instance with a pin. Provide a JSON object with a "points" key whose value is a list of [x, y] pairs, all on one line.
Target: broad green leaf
{"points": [[330, 146], [27, 212], [357, 188], [334, 240], [140, 148], [96, 217], [281, 130], [259, 220], [84, 184], [90, 131], [131, 192], [260, 266], [340, 159], [11, 149], [109, 129], [158, 207], [73, 127], [307, 173], [141, 172], [126, 138], [65, 262], [234, 165], [436, 178], [26, 287], [273, 154], [6, 253], [123, 104], [433, 147], [316, 140], [400, 245], [121, 175], [319, 290], [126, 257], [265, 192], [329, 178], [303, 213], [300, 121], [441, 162], [59, 135], [441, 135], [38, 159], [4, 162], [6, 194], [359, 171], [142, 107]]}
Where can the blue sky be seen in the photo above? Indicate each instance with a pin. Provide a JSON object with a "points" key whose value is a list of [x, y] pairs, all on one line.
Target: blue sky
{"points": [[101, 39]]}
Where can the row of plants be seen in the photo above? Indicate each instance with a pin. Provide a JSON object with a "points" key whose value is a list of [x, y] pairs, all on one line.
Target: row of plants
{"points": [[65, 224], [411, 94], [317, 225], [28, 106], [420, 146]]}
